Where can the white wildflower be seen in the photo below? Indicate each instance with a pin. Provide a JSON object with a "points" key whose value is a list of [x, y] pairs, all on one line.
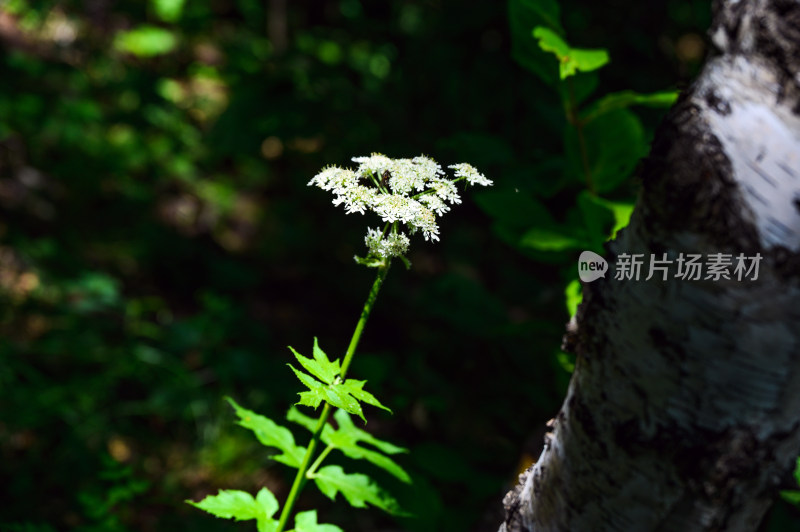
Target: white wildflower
{"points": [[335, 179], [434, 203], [392, 245], [377, 163], [471, 174], [413, 192], [446, 190]]}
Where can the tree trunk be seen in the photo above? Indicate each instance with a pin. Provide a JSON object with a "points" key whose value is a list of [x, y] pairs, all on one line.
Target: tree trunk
{"points": [[684, 409]]}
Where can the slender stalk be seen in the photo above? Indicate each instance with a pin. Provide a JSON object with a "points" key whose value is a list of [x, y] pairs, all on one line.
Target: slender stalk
{"points": [[300, 479], [318, 461], [572, 116]]}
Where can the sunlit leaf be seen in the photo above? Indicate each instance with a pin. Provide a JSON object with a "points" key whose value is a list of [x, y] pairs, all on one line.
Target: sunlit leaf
{"points": [[573, 296], [241, 506], [307, 522], [358, 489], [146, 41], [321, 367], [168, 10], [570, 59], [271, 434], [623, 99], [347, 438]]}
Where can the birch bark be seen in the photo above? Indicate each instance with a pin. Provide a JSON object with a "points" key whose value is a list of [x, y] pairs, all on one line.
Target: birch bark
{"points": [[684, 409]]}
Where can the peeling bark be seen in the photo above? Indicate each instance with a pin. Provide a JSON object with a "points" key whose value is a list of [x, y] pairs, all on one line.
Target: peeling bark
{"points": [[684, 409]]}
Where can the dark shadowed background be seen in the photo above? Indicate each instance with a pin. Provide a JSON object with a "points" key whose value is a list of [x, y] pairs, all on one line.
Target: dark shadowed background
{"points": [[160, 247]]}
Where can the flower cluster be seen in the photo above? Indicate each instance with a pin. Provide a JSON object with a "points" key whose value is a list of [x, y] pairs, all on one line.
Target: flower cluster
{"points": [[412, 192]]}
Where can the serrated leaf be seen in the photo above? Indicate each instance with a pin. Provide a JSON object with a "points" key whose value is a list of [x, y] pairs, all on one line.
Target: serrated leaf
{"points": [[570, 60], [146, 41], [295, 416], [241, 506], [320, 366], [347, 437], [345, 395], [358, 489], [355, 388], [307, 522], [271, 434]]}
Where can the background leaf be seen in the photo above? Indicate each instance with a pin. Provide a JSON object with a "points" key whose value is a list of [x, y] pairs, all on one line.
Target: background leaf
{"points": [[146, 41]]}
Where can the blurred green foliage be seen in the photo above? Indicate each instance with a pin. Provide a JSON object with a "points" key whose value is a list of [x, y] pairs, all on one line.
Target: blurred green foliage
{"points": [[159, 246]]}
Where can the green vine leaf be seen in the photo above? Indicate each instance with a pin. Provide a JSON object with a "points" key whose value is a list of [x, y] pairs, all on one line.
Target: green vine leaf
{"points": [[358, 489], [307, 522], [347, 438], [271, 434], [241, 506], [570, 59], [329, 388]]}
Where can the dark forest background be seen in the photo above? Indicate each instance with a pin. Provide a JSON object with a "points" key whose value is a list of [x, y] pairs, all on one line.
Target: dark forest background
{"points": [[160, 247]]}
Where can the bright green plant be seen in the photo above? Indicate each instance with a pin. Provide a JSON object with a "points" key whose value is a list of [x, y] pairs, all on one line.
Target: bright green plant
{"points": [[403, 192]]}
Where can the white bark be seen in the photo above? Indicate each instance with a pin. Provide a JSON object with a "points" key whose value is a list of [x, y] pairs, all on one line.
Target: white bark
{"points": [[684, 409]]}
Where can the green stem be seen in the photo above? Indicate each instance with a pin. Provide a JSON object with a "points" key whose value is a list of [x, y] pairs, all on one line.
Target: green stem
{"points": [[300, 479], [318, 461]]}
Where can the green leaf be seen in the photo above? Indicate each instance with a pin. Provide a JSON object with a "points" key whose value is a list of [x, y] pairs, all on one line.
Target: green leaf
{"points": [[797, 471], [614, 144], [146, 41], [570, 60], [337, 395], [168, 10], [271, 434], [347, 437], [355, 388], [624, 99], [320, 366], [524, 15], [597, 218], [241, 506], [620, 210], [551, 240], [791, 496], [574, 296], [357, 489], [513, 207], [345, 395], [307, 522]]}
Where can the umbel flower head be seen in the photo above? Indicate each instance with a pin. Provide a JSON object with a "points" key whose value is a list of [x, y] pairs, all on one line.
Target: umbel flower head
{"points": [[403, 192]]}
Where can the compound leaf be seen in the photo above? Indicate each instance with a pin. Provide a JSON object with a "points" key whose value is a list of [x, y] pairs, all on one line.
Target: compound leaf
{"points": [[347, 438], [241, 506], [358, 489], [271, 434], [320, 366]]}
